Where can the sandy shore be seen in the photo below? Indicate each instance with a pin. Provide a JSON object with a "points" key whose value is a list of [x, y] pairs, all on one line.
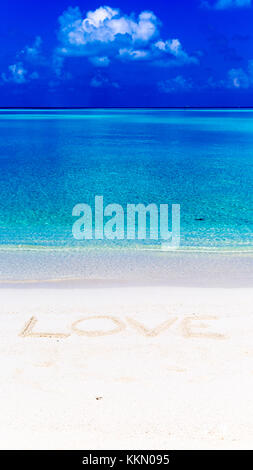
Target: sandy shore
{"points": [[126, 367]]}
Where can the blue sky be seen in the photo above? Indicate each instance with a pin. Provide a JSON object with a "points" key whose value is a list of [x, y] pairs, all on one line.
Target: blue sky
{"points": [[114, 53]]}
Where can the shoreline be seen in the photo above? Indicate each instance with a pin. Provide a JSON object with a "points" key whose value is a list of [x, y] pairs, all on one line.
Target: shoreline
{"points": [[107, 284], [108, 267], [129, 247]]}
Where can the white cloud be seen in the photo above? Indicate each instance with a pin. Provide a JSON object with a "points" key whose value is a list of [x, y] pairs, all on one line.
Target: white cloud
{"points": [[172, 48], [33, 52], [22, 71], [226, 4], [239, 78], [236, 79], [101, 36], [172, 45], [103, 25], [18, 74], [98, 16], [146, 28], [133, 54], [107, 34]]}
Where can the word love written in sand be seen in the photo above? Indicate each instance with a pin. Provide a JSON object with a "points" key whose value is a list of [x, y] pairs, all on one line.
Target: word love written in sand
{"points": [[190, 327]]}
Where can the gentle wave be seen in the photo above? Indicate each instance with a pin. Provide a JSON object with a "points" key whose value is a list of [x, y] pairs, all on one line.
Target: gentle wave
{"points": [[132, 247]]}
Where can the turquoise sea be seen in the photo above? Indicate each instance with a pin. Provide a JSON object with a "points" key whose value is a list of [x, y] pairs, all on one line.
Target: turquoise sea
{"points": [[51, 160]]}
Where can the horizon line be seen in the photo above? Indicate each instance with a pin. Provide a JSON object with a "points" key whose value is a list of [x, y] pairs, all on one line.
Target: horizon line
{"points": [[126, 107]]}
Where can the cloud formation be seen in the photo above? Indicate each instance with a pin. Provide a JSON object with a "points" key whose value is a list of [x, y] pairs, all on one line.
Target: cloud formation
{"points": [[25, 68], [18, 74], [236, 79], [102, 37], [103, 26], [172, 53], [33, 52], [241, 79], [106, 34]]}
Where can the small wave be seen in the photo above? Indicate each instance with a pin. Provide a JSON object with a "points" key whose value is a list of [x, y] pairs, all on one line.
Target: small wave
{"points": [[127, 248]]}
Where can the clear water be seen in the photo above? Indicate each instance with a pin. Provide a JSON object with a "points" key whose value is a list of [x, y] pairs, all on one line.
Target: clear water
{"points": [[51, 160]]}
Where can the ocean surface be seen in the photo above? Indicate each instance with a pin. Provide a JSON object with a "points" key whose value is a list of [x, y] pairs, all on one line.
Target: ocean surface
{"points": [[51, 160]]}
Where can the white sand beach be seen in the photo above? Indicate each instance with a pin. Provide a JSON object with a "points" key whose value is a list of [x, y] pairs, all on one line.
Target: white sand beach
{"points": [[110, 366]]}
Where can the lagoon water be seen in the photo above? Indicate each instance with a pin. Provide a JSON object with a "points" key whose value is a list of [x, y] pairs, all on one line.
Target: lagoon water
{"points": [[51, 160]]}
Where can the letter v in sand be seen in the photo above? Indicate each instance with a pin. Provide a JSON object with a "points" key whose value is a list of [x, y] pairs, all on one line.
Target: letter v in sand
{"points": [[154, 331]]}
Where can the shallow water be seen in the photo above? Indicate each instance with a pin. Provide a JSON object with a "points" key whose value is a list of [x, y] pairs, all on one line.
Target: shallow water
{"points": [[51, 160]]}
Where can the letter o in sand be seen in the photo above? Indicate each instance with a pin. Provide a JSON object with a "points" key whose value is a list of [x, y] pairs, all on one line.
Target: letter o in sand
{"points": [[119, 326]]}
